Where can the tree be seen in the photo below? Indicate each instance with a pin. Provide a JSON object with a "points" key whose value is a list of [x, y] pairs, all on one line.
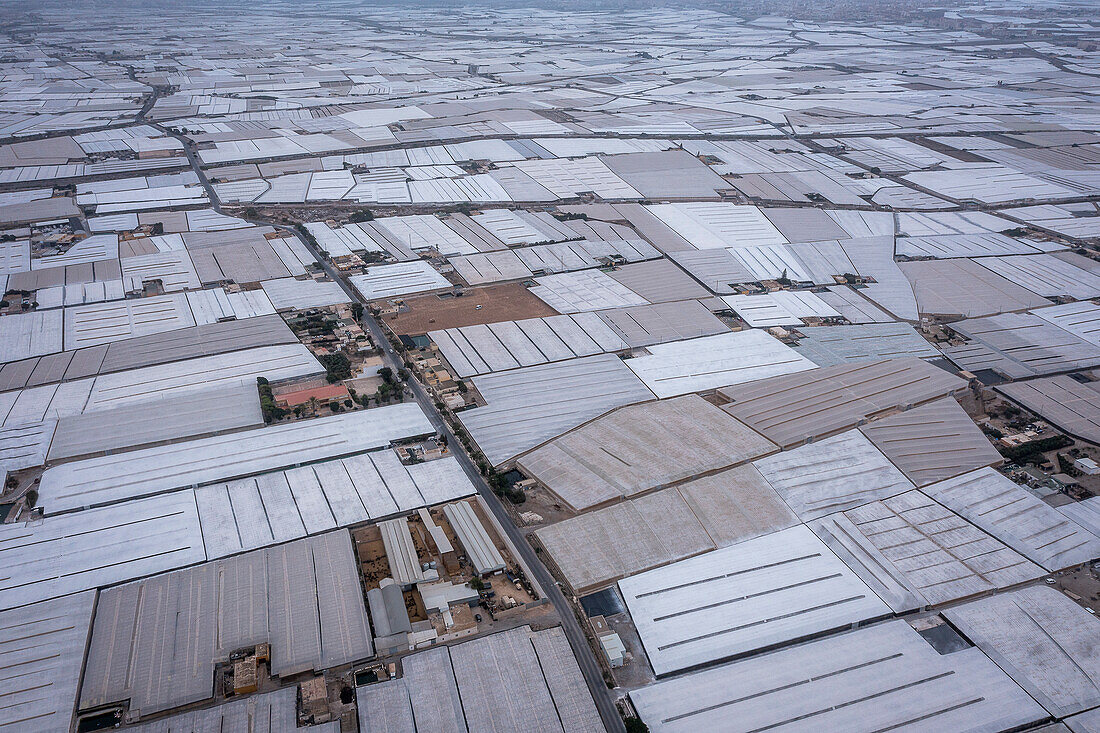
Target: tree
{"points": [[357, 311], [337, 366], [270, 410], [387, 375], [635, 725], [1032, 452], [477, 584]]}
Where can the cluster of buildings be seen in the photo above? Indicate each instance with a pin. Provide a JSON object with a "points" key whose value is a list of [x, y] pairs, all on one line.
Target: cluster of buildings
{"points": [[777, 340]]}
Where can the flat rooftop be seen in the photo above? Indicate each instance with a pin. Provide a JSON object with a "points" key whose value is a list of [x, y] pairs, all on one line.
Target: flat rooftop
{"points": [[918, 553], [42, 652], [831, 475], [303, 598], [639, 447], [69, 553], [879, 678], [813, 404], [1043, 640], [744, 598], [109, 479], [1018, 518], [505, 682], [527, 407], [670, 524]]}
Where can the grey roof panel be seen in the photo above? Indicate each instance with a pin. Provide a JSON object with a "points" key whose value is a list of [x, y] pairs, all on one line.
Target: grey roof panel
{"points": [[385, 707], [1085, 513], [832, 475], [1043, 640], [717, 269], [760, 593], [51, 368], [87, 362], [143, 351], [271, 712], [793, 408], [1024, 344], [666, 174], [805, 224], [1072, 406], [964, 288], [927, 549], [659, 281], [829, 345], [480, 548], [442, 709], [645, 325], [204, 340], [502, 686], [1088, 722], [885, 677], [639, 447], [108, 479], [516, 680], [576, 711], [528, 406], [1018, 518], [664, 526], [853, 306], [15, 374], [42, 652], [603, 546], [303, 598], [69, 553], [933, 442], [159, 420]]}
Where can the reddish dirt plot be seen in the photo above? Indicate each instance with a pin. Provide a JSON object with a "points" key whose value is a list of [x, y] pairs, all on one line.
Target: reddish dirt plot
{"points": [[510, 302]]}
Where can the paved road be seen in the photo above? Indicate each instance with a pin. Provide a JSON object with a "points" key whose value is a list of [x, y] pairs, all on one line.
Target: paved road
{"points": [[605, 702], [592, 674]]}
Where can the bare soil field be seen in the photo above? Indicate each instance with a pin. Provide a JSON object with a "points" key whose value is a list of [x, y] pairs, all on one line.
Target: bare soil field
{"points": [[509, 302]]}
